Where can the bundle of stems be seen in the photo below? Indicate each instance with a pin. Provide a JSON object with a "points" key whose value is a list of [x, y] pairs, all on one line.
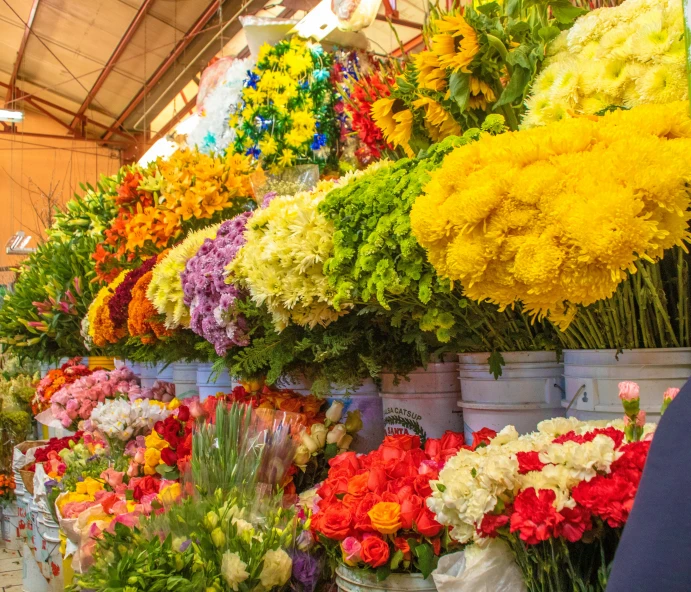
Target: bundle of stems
{"points": [[650, 309]]}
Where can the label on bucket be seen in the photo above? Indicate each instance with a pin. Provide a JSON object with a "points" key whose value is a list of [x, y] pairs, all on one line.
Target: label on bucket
{"points": [[399, 420]]}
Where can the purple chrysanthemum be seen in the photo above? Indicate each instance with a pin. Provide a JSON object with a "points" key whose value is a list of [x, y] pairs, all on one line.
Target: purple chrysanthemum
{"points": [[213, 312]]}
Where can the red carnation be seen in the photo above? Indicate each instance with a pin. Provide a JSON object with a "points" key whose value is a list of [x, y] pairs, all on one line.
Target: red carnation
{"points": [[608, 497], [529, 461], [576, 522], [630, 464], [491, 523], [482, 437], [535, 517]]}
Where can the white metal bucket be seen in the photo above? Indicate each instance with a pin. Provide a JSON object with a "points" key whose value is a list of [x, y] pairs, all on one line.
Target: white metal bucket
{"points": [[185, 379], [352, 580], [528, 391], [210, 383], [148, 375], [32, 578], [366, 399], [51, 565], [425, 404], [592, 378], [11, 533]]}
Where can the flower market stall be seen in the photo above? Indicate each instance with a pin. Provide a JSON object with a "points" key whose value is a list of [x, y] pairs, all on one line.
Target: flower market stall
{"points": [[395, 324]]}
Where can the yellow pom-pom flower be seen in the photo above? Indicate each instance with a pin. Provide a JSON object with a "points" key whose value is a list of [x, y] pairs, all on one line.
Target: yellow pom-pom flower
{"points": [[165, 290], [556, 216]]}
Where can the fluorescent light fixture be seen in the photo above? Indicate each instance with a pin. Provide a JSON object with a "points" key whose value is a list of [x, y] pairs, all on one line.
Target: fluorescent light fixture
{"points": [[318, 22], [11, 116]]}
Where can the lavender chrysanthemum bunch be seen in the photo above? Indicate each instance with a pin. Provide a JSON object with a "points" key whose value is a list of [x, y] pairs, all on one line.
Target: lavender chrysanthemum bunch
{"points": [[213, 312]]}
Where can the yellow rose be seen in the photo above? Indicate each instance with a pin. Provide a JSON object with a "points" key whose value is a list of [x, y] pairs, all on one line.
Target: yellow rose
{"points": [[174, 404], [153, 440], [170, 494], [89, 486], [386, 517], [152, 457]]}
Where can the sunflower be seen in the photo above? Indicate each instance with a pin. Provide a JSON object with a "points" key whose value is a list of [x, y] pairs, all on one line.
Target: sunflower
{"points": [[456, 45], [395, 121], [480, 94], [438, 121], [430, 73]]}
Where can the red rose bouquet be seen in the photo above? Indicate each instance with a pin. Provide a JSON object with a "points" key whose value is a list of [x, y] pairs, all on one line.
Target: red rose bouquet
{"points": [[373, 509]]}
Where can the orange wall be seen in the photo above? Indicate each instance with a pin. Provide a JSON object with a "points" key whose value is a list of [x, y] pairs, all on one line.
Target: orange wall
{"points": [[29, 165]]}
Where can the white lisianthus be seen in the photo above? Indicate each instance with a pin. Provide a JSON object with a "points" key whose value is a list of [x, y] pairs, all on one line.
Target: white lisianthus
{"points": [[276, 570], [121, 419], [233, 570]]}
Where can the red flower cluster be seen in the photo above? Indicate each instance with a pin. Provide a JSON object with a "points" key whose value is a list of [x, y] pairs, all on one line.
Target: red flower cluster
{"points": [[359, 108], [120, 301], [52, 448], [378, 501], [177, 431], [606, 497]]}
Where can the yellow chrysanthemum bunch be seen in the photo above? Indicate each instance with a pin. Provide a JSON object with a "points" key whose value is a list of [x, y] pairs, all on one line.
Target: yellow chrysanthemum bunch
{"points": [[282, 261], [629, 55], [165, 290], [557, 216]]}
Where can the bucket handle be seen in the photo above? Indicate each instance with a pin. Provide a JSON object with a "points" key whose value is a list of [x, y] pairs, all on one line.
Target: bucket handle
{"points": [[573, 399], [43, 536]]}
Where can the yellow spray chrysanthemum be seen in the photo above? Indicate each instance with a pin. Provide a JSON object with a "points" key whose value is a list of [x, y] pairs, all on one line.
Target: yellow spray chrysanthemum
{"points": [[282, 261], [556, 216], [456, 43], [629, 55], [165, 290]]}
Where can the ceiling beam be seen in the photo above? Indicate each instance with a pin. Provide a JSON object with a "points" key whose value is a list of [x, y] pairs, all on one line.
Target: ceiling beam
{"points": [[414, 43], [177, 51], [98, 141], [399, 21], [48, 114], [177, 118], [113, 59], [22, 96], [20, 54], [198, 55]]}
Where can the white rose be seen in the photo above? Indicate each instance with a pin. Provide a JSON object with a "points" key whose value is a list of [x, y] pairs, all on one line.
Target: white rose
{"points": [[345, 443], [276, 570], [336, 435], [335, 412], [309, 442], [318, 433], [302, 455], [233, 570]]}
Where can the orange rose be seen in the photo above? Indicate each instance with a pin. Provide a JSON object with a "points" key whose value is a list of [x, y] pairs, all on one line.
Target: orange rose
{"points": [[357, 485], [311, 405], [291, 405], [374, 551], [386, 517]]}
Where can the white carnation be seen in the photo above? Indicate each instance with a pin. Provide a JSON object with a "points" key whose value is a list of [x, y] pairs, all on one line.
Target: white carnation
{"points": [[276, 570]]}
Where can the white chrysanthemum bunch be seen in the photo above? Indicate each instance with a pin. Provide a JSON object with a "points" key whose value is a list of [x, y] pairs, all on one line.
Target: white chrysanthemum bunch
{"points": [[212, 134], [625, 56], [165, 289], [283, 259], [120, 419], [474, 483]]}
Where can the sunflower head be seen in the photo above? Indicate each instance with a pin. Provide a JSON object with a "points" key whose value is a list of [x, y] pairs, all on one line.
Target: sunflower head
{"points": [[456, 44]]}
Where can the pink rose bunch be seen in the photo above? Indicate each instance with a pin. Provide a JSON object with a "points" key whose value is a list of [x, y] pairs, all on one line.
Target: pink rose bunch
{"points": [[75, 402]]}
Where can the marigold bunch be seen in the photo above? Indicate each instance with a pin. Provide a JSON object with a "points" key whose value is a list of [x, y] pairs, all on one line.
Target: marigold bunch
{"points": [[165, 288], [101, 329], [282, 262], [141, 314], [558, 216], [623, 56], [7, 487]]}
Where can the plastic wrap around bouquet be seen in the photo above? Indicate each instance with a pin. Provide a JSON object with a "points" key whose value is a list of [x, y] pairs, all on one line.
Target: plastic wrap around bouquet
{"points": [[227, 529]]}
